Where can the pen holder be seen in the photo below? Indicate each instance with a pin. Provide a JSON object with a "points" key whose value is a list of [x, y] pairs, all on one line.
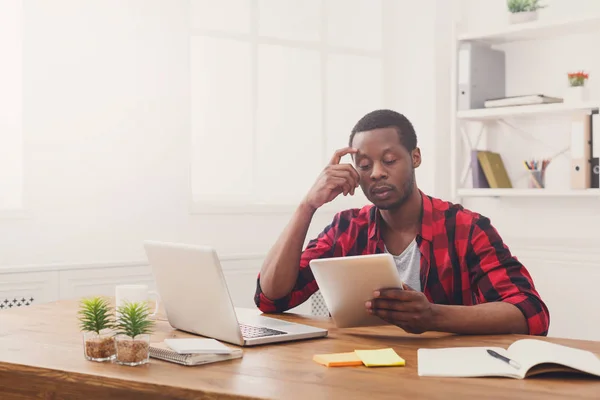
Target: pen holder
{"points": [[536, 179]]}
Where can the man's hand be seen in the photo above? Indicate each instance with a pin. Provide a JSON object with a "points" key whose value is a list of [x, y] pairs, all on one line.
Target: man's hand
{"points": [[336, 178], [407, 309]]}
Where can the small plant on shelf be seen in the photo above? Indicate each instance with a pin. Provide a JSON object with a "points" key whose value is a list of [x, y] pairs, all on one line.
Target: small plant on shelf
{"points": [[518, 6], [523, 10], [134, 327], [577, 91], [577, 78], [96, 322]]}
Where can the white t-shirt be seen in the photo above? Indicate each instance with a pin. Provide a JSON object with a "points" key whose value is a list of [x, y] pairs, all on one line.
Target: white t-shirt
{"points": [[409, 265]]}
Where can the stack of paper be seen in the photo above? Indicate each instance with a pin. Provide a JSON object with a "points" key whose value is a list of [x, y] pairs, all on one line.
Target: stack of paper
{"points": [[380, 358], [371, 358], [197, 346], [338, 359], [194, 351]]}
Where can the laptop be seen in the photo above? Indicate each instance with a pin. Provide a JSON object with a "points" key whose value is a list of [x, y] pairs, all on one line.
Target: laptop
{"points": [[194, 293]]}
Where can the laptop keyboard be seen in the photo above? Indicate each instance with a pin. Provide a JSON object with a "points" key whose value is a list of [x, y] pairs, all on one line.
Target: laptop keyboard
{"points": [[249, 331]]}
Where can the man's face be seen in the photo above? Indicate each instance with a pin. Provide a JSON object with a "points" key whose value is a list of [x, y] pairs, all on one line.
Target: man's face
{"points": [[385, 167]]}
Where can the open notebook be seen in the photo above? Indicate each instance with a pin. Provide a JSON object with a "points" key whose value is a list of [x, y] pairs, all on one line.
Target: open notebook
{"points": [[532, 357]]}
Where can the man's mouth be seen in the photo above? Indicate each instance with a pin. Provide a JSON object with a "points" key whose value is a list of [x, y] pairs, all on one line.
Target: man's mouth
{"points": [[381, 192]]}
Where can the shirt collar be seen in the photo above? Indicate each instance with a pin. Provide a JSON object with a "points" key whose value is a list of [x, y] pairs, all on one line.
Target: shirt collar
{"points": [[426, 231], [426, 217]]}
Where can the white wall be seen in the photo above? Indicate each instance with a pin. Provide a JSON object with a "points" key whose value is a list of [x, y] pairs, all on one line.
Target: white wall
{"points": [[105, 121], [275, 94], [416, 69], [11, 102], [107, 129], [107, 134]]}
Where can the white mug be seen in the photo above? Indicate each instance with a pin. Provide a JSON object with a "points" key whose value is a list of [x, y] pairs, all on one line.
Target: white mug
{"points": [[134, 294]]}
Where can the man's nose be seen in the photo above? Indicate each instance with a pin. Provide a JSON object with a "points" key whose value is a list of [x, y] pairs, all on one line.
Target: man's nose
{"points": [[378, 172]]}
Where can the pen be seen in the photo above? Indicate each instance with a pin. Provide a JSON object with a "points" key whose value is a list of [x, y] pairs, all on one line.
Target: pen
{"points": [[510, 362]]}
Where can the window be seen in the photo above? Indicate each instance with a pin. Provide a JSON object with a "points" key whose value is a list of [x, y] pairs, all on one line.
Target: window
{"points": [[276, 86], [11, 103]]}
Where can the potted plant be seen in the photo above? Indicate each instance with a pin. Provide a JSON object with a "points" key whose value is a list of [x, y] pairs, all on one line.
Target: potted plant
{"points": [[523, 10], [577, 91], [96, 321], [134, 327]]}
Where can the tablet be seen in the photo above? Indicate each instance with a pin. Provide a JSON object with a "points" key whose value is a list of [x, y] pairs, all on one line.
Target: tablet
{"points": [[347, 283]]}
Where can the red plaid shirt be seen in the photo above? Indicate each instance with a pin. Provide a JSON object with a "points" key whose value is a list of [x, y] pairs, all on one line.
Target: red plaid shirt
{"points": [[463, 260]]}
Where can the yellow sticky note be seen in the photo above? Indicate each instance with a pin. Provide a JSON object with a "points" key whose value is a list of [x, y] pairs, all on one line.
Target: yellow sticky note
{"points": [[338, 359], [380, 358]]}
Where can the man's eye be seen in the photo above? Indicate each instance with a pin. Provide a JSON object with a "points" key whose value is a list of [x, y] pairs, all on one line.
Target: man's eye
{"points": [[389, 161], [363, 166]]}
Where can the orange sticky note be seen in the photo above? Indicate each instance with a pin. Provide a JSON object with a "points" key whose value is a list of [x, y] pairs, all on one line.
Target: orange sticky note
{"points": [[338, 359]]}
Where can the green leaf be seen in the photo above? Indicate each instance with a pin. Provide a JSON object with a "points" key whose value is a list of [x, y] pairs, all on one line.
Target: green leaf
{"points": [[95, 314], [134, 320], [516, 6]]}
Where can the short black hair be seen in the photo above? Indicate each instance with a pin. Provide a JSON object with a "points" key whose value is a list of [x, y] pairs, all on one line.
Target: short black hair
{"points": [[387, 119]]}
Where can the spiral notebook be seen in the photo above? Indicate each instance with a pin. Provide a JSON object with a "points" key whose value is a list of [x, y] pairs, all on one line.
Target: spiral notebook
{"points": [[161, 351]]}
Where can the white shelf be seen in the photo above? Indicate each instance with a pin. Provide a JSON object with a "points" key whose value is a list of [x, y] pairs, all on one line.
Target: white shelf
{"points": [[536, 30], [517, 111], [527, 193]]}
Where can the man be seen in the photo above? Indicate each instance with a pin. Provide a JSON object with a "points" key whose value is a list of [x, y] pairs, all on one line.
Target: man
{"points": [[460, 277]]}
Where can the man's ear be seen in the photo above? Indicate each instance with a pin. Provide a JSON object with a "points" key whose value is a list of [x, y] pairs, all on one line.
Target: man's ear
{"points": [[416, 157]]}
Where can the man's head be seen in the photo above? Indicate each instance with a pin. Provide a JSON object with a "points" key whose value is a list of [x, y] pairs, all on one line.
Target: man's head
{"points": [[386, 157]]}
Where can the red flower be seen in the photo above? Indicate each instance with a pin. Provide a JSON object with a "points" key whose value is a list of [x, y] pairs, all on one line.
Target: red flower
{"points": [[577, 78], [580, 75]]}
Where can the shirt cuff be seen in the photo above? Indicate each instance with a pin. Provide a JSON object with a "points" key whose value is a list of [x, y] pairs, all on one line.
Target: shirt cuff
{"points": [[265, 304], [535, 313]]}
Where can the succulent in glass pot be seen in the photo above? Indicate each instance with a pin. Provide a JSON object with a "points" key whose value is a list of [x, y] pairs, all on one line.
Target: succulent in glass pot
{"points": [[134, 327], [96, 321]]}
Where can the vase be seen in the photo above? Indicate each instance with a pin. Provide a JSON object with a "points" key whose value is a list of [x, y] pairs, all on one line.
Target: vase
{"points": [[99, 347], [521, 17], [576, 94], [132, 351], [536, 179]]}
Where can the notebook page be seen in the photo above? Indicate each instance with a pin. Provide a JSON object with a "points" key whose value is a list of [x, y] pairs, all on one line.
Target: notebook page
{"points": [[530, 352], [463, 362]]}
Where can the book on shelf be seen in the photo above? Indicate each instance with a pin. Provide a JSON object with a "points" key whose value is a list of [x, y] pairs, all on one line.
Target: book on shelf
{"points": [[524, 100], [493, 170], [477, 175], [162, 351], [522, 359]]}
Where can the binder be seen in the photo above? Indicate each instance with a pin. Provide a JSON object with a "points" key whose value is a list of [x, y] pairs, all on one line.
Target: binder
{"points": [[481, 75], [581, 165], [595, 158]]}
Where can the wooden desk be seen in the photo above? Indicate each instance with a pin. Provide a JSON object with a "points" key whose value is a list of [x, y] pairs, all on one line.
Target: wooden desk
{"points": [[41, 356]]}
